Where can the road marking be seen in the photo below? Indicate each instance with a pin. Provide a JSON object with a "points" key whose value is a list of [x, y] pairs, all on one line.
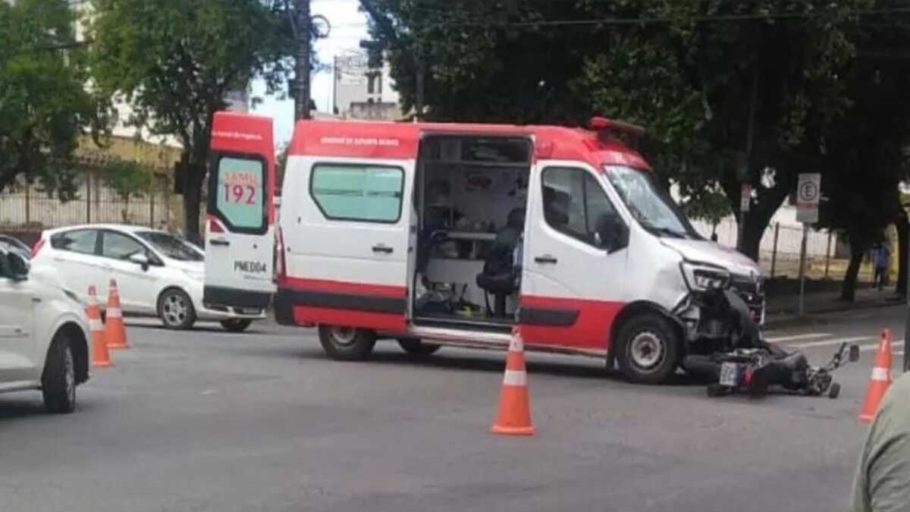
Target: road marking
{"points": [[794, 337], [896, 346], [835, 341]]}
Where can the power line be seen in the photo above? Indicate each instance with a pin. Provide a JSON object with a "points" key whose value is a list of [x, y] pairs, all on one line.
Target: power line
{"points": [[651, 20]]}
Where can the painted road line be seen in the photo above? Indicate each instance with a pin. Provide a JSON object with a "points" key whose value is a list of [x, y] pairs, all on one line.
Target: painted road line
{"points": [[795, 337], [896, 346], [835, 341]]}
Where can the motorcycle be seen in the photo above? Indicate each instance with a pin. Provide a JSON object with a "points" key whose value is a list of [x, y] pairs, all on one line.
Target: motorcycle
{"points": [[754, 370]]}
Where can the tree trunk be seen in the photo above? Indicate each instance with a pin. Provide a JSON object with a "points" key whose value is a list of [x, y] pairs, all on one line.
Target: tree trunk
{"points": [[903, 244], [759, 216], [192, 202], [857, 252], [757, 220]]}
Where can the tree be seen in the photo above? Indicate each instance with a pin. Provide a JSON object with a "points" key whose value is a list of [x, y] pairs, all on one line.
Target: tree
{"points": [[175, 61], [726, 89], [865, 152], [44, 107], [129, 180]]}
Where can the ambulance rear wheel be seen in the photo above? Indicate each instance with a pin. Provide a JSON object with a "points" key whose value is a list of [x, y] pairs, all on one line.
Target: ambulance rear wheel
{"points": [[417, 348], [648, 349], [346, 343]]}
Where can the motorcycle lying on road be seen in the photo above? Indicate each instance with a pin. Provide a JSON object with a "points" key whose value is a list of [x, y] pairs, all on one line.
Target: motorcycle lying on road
{"points": [[752, 365], [754, 370]]}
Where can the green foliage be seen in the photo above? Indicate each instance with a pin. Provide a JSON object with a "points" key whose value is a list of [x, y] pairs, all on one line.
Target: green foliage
{"points": [[725, 88], [43, 103], [175, 61], [129, 179]]}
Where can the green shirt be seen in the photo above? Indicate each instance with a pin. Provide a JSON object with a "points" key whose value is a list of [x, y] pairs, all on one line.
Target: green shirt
{"points": [[883, 477]]}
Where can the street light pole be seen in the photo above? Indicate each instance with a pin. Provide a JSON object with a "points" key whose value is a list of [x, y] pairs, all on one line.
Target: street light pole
{"points": [[304, 25], [907, 292]]}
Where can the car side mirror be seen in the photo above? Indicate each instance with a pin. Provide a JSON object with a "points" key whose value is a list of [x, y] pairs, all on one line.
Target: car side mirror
{"points": [[18, 266], [141, 259]]}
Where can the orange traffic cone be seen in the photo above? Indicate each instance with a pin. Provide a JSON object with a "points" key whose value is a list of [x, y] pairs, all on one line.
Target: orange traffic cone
{"points": [[100, 356], [881, 378], [514, 415], [114, 331]]}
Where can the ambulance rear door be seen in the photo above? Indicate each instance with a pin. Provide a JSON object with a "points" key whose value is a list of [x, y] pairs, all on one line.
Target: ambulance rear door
{"points": [[239, 237]]}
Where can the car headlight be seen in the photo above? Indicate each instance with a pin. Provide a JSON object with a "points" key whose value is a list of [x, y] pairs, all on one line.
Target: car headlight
{"points": [[699, 276]]}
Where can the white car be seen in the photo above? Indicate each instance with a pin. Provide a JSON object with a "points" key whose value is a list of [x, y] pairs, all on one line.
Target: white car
{"points": [[157, 273], [43, 335]]}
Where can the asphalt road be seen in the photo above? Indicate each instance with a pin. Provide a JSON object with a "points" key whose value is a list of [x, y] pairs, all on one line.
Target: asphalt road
{"points": [[209, 421]]}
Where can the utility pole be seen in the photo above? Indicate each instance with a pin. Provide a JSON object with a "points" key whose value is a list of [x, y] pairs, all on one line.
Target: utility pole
{"points": [[304, 24]]}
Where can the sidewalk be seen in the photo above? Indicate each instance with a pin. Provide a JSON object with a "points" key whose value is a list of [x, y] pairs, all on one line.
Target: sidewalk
{"points": [[783, 311]]}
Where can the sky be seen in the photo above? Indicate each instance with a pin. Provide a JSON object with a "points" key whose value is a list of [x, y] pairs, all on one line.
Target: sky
{"points": [[349, 26]]}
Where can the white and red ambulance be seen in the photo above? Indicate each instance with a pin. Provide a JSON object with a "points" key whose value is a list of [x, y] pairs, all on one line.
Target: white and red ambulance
{"points": [[454, 234]]}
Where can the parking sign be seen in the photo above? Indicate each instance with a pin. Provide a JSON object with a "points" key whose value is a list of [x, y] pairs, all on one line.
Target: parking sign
{"points": [[808, 192]]}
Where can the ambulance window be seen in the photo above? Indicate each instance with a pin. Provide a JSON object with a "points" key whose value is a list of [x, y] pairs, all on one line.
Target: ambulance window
{"points": [[366, 193], [575, 204], [238, 196]]}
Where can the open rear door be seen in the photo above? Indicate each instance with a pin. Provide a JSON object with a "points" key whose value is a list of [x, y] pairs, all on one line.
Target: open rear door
{"points": [[239, 235]]}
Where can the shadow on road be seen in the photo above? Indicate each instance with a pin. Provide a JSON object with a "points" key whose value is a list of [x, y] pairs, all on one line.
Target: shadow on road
{"points": [[495, 363], [21, 408]]}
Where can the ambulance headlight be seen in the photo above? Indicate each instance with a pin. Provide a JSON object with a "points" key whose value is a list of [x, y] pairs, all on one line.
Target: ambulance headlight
{"points": [[701, 277]]}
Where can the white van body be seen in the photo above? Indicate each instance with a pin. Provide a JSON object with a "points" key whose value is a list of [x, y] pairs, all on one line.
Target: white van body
{"points": [[402, 231]]}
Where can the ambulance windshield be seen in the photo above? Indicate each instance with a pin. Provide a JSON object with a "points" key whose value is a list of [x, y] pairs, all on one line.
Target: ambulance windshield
{"points": [[651, 207]]}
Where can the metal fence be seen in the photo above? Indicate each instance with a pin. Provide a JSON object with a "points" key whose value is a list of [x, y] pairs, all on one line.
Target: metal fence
{"points": [[827, 256], [30, 208]]}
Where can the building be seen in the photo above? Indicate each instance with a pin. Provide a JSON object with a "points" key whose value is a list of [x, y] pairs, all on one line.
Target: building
{"points": [[362, 92]]}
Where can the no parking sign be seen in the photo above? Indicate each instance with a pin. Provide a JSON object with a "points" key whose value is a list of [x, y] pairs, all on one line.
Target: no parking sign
{"points": [[808, 192]]}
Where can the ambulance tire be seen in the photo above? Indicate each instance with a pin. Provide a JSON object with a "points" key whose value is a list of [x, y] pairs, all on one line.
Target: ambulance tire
{"points": [[648, 349], [346, 343], [416, 347]]}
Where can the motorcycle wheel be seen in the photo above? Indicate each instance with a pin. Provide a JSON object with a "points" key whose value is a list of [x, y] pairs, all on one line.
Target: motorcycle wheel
{"points": [[834, 391]]}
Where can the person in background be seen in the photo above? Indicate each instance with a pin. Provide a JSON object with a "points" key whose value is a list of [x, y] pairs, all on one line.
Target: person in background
{"points": [[883, 477], [880, 256]]}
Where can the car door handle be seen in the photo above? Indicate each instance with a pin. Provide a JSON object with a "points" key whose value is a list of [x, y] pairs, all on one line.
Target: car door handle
{"points": [[546, 259], [222, 243], [382, 248]]}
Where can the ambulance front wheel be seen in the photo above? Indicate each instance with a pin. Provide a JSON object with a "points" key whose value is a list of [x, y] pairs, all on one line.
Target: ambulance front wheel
{"points": [[648, 349], [346, 343]]}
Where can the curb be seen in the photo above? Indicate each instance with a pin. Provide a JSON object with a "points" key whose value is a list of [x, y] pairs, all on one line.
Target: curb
{"points": [[786, 320]]}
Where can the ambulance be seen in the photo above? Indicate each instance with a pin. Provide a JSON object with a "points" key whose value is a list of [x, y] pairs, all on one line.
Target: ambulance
{"points": [[463, 234]]}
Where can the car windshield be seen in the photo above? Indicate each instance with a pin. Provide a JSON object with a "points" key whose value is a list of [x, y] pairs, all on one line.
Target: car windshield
{"points": [[650, 206], [171, 246]]}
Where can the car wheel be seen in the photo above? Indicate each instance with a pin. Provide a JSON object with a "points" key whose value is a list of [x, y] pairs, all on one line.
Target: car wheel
{"points": [[417, 348], [346, 343], [176, 309], [236, 324], [648, 349], [58, 383]]}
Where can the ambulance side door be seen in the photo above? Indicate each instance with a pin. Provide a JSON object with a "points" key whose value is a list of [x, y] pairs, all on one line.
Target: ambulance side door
{"points": [[574, 261], [346, 235]]}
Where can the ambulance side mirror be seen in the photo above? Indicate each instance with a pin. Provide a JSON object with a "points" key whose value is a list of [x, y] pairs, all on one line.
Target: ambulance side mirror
{"points": [[611, 234]]}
